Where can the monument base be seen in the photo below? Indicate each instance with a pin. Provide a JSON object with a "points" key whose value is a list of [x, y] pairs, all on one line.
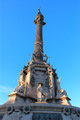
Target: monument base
{"points": [[39, 111]]}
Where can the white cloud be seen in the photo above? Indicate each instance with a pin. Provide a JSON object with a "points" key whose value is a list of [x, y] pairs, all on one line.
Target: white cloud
{"points": [[5, 89]]}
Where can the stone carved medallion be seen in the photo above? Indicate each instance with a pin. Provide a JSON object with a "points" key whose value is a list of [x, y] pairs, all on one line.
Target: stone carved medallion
{"points": [[16, 113]]}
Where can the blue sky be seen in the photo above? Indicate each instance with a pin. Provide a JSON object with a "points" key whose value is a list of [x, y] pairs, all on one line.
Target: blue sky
{"points": [[61, 36]]}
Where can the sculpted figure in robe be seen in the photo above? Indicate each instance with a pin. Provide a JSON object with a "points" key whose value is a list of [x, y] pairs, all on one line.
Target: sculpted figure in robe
{"points": [[42, 96]]}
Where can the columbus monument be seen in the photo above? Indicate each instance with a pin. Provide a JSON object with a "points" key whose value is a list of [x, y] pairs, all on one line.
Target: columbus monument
{"points": [[39, 95]]}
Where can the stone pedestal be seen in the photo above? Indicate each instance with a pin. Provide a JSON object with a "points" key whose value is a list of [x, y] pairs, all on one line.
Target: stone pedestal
{"points": [[39, 111]]}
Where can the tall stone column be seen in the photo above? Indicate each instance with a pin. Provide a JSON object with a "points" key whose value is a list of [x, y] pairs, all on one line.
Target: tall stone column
{"points": [[39, 39]]}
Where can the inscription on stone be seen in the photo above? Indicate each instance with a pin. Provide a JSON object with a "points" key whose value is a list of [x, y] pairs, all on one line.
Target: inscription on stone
{"points": [[47, 116]]}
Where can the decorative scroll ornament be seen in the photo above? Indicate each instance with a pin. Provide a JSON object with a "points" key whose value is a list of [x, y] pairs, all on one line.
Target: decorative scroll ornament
{"points": [[26, 109], [66, 111], [9, 110], [78, 113]]}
